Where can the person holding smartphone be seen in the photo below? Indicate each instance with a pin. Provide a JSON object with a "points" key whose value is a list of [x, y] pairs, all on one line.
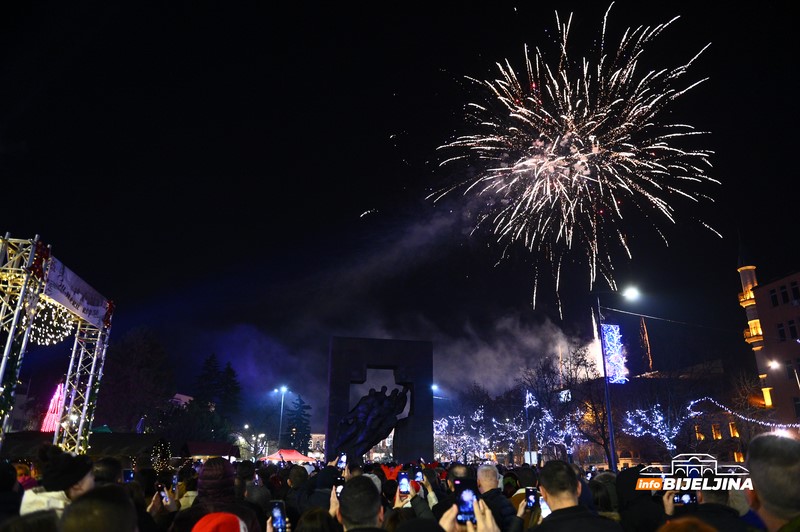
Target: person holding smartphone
{"points": [[359, 506], [407, 496], [559, 489], [527, 479], [709, 506], [490, 492], [216, 493]]}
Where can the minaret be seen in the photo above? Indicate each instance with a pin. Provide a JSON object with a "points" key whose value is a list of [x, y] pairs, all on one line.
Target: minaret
{"points": [[753, 334]]}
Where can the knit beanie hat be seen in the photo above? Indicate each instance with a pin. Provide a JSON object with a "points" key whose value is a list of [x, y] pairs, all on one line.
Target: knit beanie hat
{"points": [[220, 522], [61, 470], [216, 480], [375, 480]]}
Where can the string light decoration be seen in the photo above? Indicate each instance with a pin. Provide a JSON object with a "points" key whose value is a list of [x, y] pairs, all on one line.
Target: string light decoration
{"points": [[614, 353], [53, 416], [511, 431], [448, 436], [549, 430], [652, 422], [740, 416], [530, 400], [455, 438], [52, 323], [161, 455]]}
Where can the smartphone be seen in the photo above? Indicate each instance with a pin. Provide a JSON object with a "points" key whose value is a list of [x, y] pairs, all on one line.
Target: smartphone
{"points": [[175, 481], [531, 497], [339, 483], [277, 510], [466, 491], [342, 463], [162, 490], [685, 497], [544, 507], [127, 475], [418, 476], [403, 484]]}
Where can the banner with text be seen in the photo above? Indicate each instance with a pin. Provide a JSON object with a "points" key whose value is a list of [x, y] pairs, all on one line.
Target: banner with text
{"points": [[72, 292]]}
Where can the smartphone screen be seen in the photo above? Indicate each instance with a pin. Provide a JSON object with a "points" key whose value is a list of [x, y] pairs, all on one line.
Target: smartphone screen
{"points": [[466, 494], [339, 483], [278, 514], [545, 509], [175, 481], [418, 476], [531, 497], [127, 475], [403, 484], [342, 463], [685, 497]]}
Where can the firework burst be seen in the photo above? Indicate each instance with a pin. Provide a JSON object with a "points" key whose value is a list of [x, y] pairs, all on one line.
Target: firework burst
{"points": [[557, 160]]}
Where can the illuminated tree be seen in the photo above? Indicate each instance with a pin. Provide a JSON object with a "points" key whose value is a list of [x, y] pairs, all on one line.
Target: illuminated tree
{"points": [[161, 455], [655, 422]]}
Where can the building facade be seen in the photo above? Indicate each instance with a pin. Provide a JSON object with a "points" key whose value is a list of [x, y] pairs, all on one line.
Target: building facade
{"points": [[773, 320]]}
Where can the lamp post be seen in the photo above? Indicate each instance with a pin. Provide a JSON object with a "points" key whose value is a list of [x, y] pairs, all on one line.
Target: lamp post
{"points": [[528, 402], [283, 390], [775, 365], [632, 294]]}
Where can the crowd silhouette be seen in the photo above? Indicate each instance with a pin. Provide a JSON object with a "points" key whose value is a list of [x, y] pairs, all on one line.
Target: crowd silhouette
{"points": [[71, 493]]}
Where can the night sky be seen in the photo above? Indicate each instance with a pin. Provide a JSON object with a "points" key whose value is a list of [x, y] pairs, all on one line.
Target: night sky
{"points": [[251, 181]]}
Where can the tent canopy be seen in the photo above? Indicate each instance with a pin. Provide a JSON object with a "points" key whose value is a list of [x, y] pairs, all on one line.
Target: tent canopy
{"points": [[289, 455]]}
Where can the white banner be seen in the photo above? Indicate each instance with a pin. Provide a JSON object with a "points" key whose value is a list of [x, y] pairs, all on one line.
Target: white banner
{"points": [[72, 292]]}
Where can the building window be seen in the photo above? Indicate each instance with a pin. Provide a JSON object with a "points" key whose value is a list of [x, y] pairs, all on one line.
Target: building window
{"points": [[715, 432], [698, 433], [733, 429], [781, 333], [784, 294], [792, 329], [767, 396], [795, 290], [773, 297], [738, 456]]}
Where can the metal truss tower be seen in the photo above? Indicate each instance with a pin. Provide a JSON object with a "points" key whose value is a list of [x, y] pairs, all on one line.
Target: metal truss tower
{"points": [[24, 269]]}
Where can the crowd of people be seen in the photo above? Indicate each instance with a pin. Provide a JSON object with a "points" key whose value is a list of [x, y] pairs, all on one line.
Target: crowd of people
{"points": [[71, 493]]}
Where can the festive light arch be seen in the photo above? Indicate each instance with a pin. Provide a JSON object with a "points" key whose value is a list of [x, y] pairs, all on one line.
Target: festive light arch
{"points": [[43, 301]]}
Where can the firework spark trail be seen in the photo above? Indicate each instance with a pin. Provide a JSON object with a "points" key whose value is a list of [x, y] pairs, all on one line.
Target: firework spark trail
{"points": [[561, 159]]}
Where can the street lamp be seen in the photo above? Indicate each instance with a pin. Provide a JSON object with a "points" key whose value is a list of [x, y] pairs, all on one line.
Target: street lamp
{"points": [[630, 293], [250, 443], [774, 364], [283, 390]]}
